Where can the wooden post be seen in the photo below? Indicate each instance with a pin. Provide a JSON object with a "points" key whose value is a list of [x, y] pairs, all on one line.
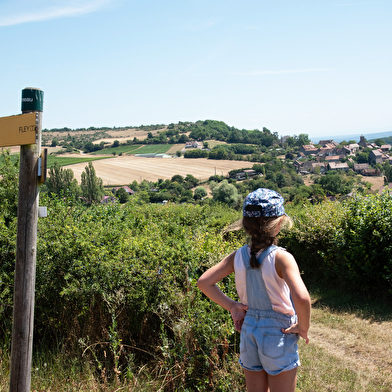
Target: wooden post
{"points": [[26, 251]]}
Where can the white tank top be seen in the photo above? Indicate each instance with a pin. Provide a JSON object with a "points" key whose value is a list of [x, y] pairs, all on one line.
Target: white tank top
{"points": [[277, 288]]}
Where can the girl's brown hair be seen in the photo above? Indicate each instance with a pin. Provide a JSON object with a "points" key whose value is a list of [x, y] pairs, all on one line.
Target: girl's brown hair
{"points": [[259, 231]]}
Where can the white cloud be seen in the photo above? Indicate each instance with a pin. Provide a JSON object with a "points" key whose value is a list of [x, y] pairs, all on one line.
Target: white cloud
{"points": [[282, 72], [62, 9]]}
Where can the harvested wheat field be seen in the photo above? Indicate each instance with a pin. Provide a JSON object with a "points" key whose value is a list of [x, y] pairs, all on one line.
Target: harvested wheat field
{"points": [[122, 170]]}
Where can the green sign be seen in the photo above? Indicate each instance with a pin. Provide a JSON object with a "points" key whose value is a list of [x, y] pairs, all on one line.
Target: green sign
{"points": [[32, 99]]}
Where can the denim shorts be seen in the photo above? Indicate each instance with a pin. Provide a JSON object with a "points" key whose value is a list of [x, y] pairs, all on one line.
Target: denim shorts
{"points": [[263, 346]]}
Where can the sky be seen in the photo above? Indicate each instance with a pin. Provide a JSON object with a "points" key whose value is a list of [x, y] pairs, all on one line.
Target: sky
{"points": [[320, 67]]}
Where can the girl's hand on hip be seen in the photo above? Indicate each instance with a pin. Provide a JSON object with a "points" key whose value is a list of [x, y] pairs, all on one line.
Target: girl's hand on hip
{"points": [[296, 329], [238, 312]]}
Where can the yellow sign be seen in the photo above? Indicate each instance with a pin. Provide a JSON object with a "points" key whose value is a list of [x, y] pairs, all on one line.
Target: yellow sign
{"points": [[18, 130]]}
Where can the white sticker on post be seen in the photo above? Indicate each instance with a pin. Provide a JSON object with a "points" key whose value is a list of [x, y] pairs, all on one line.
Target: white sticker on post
{"points": [[42, 212]]}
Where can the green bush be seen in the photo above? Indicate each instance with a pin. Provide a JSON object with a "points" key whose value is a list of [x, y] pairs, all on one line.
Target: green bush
{"points": [[347, 244], [115, 282]]}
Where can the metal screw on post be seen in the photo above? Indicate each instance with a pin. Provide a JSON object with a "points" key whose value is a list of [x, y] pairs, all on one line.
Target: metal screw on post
{"points": [[26, 250]]}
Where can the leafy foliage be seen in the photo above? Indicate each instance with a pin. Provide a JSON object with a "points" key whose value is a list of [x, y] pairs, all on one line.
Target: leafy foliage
{"points": [[346, 243], [334, 183], [200, 192], [61, 182], [91, 185], [9, 180], [128, 273], [226, 193]]}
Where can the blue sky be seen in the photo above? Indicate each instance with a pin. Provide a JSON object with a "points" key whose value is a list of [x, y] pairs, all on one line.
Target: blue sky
{"points": [[319, 67]]}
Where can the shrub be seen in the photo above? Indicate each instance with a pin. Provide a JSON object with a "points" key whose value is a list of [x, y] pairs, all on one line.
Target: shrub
{"points": [[347, 243], [119, 281]]}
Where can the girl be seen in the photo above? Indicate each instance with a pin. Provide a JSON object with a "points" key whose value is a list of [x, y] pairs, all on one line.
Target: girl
{"points": [[274, 307]]}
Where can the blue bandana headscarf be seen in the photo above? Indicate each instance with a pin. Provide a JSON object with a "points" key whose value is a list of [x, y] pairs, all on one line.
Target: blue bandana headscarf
{"points": [[263, 202]]}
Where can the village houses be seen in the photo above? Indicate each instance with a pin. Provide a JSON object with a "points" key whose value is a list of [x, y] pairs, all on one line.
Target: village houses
{"points": [[329, 156]]}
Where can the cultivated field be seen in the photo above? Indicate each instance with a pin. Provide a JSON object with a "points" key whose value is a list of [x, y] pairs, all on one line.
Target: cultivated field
{"points": [[126, 134], [122, 170]]}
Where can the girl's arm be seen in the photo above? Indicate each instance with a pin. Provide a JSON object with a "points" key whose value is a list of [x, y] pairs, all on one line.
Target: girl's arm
{"points": [[287, 268], [207, 284]]}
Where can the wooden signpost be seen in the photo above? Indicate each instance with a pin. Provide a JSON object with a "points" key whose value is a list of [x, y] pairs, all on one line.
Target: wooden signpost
{"points": [[18, 130], [25, 130]]}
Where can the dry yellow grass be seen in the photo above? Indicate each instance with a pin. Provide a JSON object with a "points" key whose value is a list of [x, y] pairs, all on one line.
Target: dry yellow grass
{"points": [[344, 342], [123, 170]]}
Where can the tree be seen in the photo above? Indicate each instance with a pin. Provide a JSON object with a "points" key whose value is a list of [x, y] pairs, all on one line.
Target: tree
{"points": [[178, 178], [290, 141], [226, 193], [290, 155], [116, 143], [334, 183], [387, 172], [200, 193], [302, 139], [61, 182], [363, 157], [186, 195], [317, 170], [183, 138], [191, 181], [91, 185], [122, 195], [379, 142], [134, 186], [218, 153]]}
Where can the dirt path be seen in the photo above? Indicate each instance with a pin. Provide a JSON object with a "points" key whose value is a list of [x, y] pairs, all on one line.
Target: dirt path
{"points": [[365, 347]]}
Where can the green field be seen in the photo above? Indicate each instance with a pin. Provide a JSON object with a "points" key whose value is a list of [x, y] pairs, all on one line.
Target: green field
{"points": [[116, 150], [153, 149], [65, 161], [62, 161]]}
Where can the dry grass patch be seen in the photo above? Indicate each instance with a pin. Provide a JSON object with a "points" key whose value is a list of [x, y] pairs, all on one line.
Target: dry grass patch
{"points": [[174, 148], [377, 182], [347, 353]]}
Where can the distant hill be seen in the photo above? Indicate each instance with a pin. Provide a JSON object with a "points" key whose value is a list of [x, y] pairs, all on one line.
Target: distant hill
{"points": [[353, 136]]}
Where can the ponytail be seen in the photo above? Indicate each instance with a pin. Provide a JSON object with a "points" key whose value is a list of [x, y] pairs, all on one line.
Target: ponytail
{"points": [[259, 230]]}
